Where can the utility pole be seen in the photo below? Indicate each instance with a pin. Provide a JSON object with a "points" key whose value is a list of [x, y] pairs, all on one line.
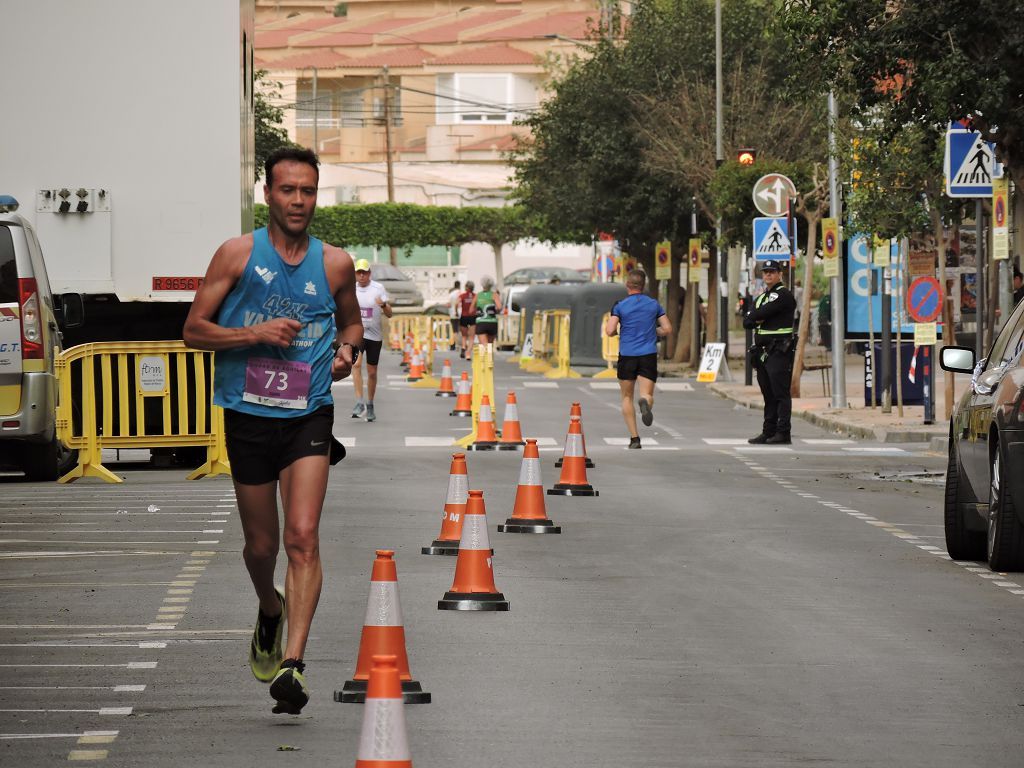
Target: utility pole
{"points": [[721, 253], [979, 277], [387, 153], [316, 114], [838, 299]]}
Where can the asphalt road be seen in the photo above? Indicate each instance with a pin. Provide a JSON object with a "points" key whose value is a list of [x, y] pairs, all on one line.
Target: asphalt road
{"points": [[716, 605]]}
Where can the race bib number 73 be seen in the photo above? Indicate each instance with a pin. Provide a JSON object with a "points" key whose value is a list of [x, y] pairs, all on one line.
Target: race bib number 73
{"points": [[277, 383]]}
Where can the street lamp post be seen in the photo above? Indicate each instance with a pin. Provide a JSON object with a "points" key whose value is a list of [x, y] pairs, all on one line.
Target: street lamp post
{"points": [[838, 300], [723, 259]]}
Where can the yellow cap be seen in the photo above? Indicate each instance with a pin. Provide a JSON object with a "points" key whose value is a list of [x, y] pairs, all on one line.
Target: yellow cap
{"points": [[362, 265]]}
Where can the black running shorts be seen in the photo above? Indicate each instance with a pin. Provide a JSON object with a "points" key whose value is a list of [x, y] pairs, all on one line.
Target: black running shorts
{"points": [[631, 366], [371, 351], [259, 447], [466, 322]]}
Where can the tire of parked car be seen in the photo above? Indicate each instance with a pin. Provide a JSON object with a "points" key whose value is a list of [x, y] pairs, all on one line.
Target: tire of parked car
{"points": [[961, 542], [1005, 532]]}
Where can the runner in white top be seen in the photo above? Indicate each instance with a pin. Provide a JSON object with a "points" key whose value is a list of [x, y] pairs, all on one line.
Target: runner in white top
{"points": [[373, 302], [453, 311]]}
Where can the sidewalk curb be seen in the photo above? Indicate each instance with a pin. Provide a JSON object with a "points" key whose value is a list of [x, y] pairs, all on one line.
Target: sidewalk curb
{"points": [[837, 425]]}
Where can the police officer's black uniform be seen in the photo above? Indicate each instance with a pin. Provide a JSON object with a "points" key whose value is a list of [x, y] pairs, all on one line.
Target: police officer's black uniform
{"points": [[772, 318]]}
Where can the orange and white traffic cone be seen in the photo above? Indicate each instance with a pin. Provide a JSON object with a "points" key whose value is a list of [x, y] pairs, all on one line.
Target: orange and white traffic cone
{"points": [[407, 352], [528, 513], [573, 481], [447, 542], [511, 431], [486, 437], [464, 401], [383, 742], [446, 389], [416, 367], [473, 588], [576, 410], [383, 635]]}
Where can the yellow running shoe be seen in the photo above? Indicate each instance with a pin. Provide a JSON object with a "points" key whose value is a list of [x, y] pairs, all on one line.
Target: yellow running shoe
{"points": [[265, 649], [289, 688]]}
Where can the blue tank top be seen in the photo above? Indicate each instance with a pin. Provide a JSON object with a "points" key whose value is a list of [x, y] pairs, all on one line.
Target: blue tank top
{"points": [[263, 380]]}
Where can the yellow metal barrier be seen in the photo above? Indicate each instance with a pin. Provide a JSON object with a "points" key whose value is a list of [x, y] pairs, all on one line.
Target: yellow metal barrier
{"points": [[154, 394], [609, 351], [538, 360], [559, 325], [483, 384], [508, 331]]}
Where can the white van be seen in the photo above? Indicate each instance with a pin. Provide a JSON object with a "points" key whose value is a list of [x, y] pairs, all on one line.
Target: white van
{"points": [[29, 341]]}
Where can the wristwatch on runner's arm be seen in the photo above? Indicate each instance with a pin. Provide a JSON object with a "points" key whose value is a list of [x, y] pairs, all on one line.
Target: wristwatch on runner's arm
{"points": [[353, 347]]}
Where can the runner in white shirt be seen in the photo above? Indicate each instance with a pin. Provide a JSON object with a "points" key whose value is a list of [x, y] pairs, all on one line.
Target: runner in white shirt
{"points": [[373, 302], [453, 311]]}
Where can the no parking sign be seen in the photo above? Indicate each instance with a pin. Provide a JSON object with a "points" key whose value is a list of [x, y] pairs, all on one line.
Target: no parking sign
{"points": [[924, 300]]}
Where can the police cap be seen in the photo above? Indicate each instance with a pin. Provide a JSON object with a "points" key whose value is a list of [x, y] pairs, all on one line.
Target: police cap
{"points": [[772, 264]]}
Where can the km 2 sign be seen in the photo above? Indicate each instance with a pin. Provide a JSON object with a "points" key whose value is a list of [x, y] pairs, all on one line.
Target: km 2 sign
{"points": [[772, 194]]}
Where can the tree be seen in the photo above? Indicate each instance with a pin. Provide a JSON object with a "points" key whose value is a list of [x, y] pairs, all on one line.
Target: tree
{"points": [[268, 119], [920, 62]]}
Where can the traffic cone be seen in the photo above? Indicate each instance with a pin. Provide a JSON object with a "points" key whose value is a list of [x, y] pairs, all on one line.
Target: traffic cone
{"points": [[382, 741], [486, 437], [573, 481], [446, 390], [407, 351], [511, 432], [473, 588], [383, 634], [576, 410], [447, 542], [416, 366], [464, 401], [528, 512]]}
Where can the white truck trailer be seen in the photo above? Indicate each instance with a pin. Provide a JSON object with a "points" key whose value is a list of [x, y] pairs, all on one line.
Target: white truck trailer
{"points": [[127, 139]]}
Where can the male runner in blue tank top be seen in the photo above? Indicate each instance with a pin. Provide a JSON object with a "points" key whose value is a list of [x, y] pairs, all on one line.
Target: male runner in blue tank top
{"points": [[279, 309], [640, 321]]}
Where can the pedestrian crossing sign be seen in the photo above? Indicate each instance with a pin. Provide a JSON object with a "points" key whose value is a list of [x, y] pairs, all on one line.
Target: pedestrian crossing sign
{"points": [[971, 164], [771, 238]]}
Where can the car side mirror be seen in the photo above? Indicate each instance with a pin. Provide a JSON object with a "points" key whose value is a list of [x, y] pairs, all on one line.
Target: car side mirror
{"points": [[72, 310], [957, 359]]}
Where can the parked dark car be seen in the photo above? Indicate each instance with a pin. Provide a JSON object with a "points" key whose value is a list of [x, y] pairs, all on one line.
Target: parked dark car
{"points": [[532, 275], [984, 506]]}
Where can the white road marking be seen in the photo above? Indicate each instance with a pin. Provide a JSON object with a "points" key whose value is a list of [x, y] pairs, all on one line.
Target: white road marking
{"points": [[61, 644], [874, 449], [674, 386], [342, 383], [348, 442], [765, 449], [429, 442], [725, 440], [604, 385], [541, 384], [106, 711], [625, 441], [83, 734], [129, 665], [825, 441]]}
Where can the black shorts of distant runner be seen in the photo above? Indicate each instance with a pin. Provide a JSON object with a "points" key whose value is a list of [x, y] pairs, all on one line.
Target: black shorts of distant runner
{"points": [[631, 366], [371, 351]]}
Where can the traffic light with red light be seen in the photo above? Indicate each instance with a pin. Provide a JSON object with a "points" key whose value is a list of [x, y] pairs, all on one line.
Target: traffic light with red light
{"points": [[746, 156]]}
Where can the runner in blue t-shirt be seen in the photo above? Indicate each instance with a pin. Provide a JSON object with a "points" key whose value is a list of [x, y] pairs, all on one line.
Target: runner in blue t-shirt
{"points": [[639, 321]]}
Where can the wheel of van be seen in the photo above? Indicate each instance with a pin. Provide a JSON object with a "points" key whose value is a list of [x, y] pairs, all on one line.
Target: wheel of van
{"points": [[48, 461], [961, 543], [1005, 532]]}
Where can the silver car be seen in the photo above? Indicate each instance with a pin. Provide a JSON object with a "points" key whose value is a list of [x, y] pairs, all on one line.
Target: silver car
{"points": [[401, 290]]}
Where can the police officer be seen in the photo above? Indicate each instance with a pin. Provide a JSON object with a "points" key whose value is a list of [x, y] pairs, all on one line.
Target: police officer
{"points": [[771, 319]]}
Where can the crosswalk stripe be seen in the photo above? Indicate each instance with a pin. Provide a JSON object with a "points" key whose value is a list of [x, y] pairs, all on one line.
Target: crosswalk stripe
{"points": [[625, 441]]}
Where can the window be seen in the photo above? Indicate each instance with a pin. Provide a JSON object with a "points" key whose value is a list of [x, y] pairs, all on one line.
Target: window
{"points": [[8, 268], [480, 98], [322, 109]]}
